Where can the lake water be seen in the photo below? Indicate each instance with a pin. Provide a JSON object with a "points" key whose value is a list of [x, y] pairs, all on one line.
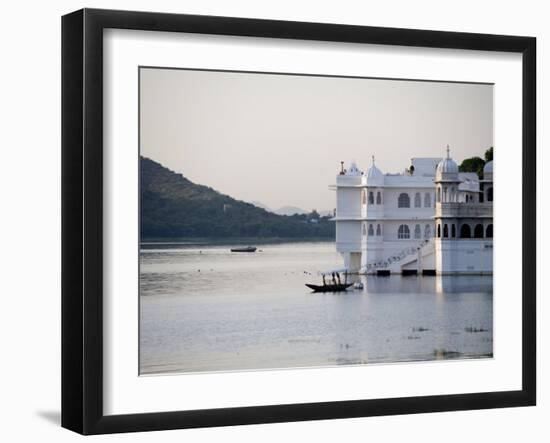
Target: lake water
{"points": [[203, 308]]}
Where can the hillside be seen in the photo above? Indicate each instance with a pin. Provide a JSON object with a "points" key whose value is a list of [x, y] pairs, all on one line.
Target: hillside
{"points": [[174, 207]]}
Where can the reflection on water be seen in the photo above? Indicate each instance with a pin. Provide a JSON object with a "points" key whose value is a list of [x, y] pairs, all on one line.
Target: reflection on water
{"points": [[204, 308], [440, 284]]}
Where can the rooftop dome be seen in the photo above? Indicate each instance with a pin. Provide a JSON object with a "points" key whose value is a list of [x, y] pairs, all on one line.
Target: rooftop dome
{"points": [[446, 166], [374, 175], [353, 169], [374, 172], [488, 167]]}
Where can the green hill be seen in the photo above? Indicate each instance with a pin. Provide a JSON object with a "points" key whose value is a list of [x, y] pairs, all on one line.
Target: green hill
{"points": [[174, 207]]}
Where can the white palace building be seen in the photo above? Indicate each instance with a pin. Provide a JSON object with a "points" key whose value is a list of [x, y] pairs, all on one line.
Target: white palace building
{"points": [[430, 219]]}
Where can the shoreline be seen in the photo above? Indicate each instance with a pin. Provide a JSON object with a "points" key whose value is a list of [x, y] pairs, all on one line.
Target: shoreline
{"points": [[232, 241]]}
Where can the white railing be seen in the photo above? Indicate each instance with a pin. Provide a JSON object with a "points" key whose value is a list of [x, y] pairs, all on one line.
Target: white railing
{"points": [[465, 209]]}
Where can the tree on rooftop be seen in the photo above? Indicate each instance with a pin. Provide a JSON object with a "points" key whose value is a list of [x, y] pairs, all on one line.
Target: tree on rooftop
{"points": [[473, 164], [489, 154]]}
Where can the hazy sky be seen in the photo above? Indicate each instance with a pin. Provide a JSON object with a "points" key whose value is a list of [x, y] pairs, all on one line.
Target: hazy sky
{"points": [[279, 139]]}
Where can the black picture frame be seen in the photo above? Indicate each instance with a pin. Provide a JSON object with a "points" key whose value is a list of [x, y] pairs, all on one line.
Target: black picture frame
{"points": [[82, 220]]}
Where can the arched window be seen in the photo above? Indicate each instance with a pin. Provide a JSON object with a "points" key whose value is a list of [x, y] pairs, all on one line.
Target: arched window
{"points": [[364, 197], [417, 232], [403, 232], [364, 229], [427, 200], [478, 231], [481, 195], [371, 198], [438, 195], [371, 230], [453, 194], [489, 231], [438, 231], [453, 230], [427, 231], [378, 230], [403, 201], [490, 194], [417, 200], [445, 194], [445, 230], [378, 198], [465, 231]]}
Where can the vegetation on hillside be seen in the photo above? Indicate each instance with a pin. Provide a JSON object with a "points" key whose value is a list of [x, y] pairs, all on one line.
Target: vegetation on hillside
{"points": [[172, 206]]}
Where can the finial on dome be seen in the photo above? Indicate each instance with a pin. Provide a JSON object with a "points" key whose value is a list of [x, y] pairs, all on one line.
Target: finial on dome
{"points": [[448, 150]]}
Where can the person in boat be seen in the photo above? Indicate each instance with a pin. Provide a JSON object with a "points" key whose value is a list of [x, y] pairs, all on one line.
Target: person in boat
{"points": [[338, 278], [333, 279], [324, 282]]}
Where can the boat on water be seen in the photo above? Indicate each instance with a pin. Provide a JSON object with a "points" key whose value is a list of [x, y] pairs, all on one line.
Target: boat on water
{"points": [[244, 249], [329, 288], [334, 284]]}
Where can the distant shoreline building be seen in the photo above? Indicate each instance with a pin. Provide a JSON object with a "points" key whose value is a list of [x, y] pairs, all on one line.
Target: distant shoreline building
{"points": [[431, 219]]}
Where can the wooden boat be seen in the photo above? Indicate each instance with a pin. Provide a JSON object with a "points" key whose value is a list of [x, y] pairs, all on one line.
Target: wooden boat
{"points": [[334, 284], [329, 288], [245, 249]]}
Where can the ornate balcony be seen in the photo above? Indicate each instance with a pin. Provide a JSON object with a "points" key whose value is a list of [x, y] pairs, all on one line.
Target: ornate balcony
{"points": [[469, 210]]}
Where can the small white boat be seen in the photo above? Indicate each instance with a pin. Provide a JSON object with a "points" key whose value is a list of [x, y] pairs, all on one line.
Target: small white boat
{"points": [[359, 285]]}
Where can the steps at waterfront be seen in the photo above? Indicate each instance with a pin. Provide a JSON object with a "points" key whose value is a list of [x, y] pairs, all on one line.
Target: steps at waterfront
{"points": [[395, 263]]}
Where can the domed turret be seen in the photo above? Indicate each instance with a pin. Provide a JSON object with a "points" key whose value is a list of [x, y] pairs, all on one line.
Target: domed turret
{"points": [[375, 177], [353, 169], [447, 169], [488, 171], [448, 166], [446, 180]]}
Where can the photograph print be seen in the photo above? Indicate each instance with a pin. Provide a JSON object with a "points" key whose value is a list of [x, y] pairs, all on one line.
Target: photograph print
{"points": [[304, 221]]}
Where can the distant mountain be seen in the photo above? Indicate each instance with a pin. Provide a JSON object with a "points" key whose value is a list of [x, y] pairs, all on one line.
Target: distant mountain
{"points": [[174, 207], [290, 210], [261, 205], [285, 210]]}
